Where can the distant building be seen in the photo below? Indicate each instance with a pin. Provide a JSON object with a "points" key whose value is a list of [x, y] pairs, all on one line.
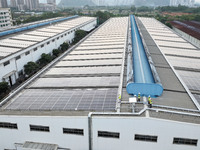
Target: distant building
{"points": [[32, 4], [21, 4], [153, 3], [5, 18], [52, 4], [51, 1], [47, 7], [189, 3], [13, 3], [3, 4]]}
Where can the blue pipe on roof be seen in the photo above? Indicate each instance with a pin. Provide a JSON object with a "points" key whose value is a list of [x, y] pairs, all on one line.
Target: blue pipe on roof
{"points": [[143, 81], [34, 26]]}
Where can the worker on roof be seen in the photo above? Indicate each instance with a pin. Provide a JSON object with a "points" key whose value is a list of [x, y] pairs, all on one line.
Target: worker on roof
{"points": [[138, 98], [150, 102], [120, 97]]}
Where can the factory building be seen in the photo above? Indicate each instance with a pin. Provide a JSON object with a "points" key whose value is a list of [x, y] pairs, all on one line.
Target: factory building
{"points": [[18, 49], [82, 100]]}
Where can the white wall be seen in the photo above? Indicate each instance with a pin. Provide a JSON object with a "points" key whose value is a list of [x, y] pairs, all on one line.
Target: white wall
{"points": [[18, 65], [55, 135], [165, 130], [126, 126]]}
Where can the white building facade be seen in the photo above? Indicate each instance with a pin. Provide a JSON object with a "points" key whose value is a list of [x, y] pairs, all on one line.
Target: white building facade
{"points": [[123, 132], [5, 18]]}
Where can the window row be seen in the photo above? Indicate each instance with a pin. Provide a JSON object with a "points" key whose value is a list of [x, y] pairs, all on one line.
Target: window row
{"points": [[3, 25], [104, 134], [40, 128], [35, 49]]}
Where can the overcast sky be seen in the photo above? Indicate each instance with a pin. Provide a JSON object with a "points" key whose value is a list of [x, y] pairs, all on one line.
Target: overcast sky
{"points": [[44, 1]]}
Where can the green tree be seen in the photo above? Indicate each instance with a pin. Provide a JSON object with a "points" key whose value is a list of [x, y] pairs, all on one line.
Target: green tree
{"points": [[144, 9], [133, 8], [56, 52], [64, 46], [103, 16], [168, 24], [30, 68], [45, 59], [79, 34], [4, 87]]}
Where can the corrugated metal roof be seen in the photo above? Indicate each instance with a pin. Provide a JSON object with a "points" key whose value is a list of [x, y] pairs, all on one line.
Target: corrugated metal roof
{"points": [[190, 27], [39, 146]]}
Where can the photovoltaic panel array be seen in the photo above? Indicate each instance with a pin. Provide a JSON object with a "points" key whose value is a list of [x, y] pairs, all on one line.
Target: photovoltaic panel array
{"points": [[87, 100]]}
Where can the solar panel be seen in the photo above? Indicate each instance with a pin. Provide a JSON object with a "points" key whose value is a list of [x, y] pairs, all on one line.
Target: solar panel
{"points": [[93, 56], [184, 62], [79, 82], [191, 79], [175, 44], [81, 63], [85, 52], [185, 53], [101, 47], [85, 70], [168, 38], [87, 100]]}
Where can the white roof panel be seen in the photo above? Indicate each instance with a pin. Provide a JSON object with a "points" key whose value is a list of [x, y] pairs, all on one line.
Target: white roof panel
{"points": [[85, 70], [175, 44], [89, 63], [98, 56]]}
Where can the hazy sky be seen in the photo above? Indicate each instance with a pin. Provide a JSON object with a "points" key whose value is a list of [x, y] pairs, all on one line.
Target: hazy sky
{"points": [[44, 1]]}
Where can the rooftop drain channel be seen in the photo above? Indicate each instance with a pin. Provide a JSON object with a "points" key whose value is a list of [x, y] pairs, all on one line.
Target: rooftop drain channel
{"points": [[142, 76]]}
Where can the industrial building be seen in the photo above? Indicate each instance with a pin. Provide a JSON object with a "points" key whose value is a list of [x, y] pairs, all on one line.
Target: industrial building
{"points": [[86, 99], [190, 30], [18, 49], [5, 18]]}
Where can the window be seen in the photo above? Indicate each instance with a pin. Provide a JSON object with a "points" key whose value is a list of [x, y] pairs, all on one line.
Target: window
{"points": [[48, 43], [8, 125], [6, 63], [147, 138], [185, 141], [18, 57], [108, 134], [35, 49], [27, 53], [53, 40], [39, 128], [61, 36], [42, 45], [57, 38], [73, 131]]}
